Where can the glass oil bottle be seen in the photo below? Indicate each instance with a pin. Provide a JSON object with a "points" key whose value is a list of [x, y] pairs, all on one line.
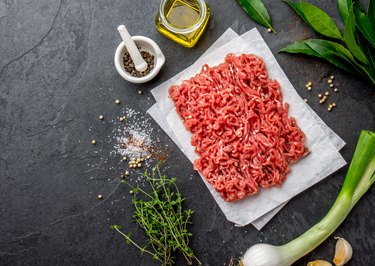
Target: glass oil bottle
{"points": [[183, 21]]}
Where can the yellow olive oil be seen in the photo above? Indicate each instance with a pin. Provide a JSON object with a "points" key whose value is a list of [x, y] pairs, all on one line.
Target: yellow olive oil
{"points": [[183, 21]]}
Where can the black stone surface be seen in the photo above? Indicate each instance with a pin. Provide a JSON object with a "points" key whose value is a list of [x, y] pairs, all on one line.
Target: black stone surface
{"points": [[57, 75]]}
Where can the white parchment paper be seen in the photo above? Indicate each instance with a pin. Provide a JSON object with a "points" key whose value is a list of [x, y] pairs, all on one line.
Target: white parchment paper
{"points": [[322, 141]]}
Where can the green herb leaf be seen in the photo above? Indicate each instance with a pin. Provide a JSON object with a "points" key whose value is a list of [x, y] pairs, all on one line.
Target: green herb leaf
{"points": [[365, 26], [317, 19], [371, 11], [115, 226], [369, 52], [299, 47], [334, 53], [344, 6], [295, 7], [258, 12], [160, 214], [349, 35]]}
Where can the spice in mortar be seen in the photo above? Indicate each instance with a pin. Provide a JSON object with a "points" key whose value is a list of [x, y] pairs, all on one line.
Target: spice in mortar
{"points": [[130, 68]]}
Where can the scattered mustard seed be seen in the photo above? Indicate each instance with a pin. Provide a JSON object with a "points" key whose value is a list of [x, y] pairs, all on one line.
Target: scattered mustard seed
{"points": [[332, 77], [100, 196], [269, 30], [140, 92], [326, 93], [101, 117], [121, 119], [330, 81], [305, 100], [117, 101], [131, 192], [336, 90], [309, 88], [334, 104], [320, 95], [331, 85], [127, 173], [93, 142]]}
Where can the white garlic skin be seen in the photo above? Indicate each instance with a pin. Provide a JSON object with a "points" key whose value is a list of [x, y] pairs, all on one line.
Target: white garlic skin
{"points": [[343, 252], [319, 263]]}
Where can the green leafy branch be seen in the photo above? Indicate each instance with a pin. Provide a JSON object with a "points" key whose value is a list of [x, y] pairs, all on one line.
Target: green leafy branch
{"points": [[161, 215], [258, 12], [358, 54]]}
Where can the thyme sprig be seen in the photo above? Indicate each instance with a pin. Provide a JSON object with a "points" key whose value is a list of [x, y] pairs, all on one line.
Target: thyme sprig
{"points": [[161, 215]]}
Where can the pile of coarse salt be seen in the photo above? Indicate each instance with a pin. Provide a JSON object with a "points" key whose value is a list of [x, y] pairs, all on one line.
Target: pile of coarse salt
{"points": [[133, 136]]}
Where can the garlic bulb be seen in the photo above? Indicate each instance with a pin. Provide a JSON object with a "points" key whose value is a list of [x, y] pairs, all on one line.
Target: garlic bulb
{"points": [[319, 263], [343, 252]]}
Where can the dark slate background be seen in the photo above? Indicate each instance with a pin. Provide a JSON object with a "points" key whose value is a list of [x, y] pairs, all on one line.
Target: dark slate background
{"points": [[57, 75]]}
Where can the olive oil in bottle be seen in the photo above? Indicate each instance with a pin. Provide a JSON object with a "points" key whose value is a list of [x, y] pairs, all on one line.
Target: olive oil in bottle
{"points": [[183, 21]]}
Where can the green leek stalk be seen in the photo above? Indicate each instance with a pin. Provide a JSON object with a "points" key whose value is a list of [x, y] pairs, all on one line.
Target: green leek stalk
{"points": [[359, 178]]}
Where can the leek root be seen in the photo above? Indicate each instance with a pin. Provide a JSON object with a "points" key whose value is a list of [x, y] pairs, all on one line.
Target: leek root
{"points": [[360, 177]]}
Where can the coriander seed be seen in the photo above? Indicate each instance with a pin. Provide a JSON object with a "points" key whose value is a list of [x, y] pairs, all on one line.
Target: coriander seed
{"points": [[124, 158], [140, 92], [127, 173], [117, 101], [305, 100], [309, 88], [320, 95], [330, 81], [331, 85], [139, 165], [336, 90], [326, 93], [269, 30], [93, 142], [332, 77], [101, 117], [334, 104], [100, 196]]}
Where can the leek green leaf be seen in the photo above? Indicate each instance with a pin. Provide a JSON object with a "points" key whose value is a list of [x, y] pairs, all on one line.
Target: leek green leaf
{"points": [[317, 19], [258, 12], [349, 36], [344, 6], [365, 26]]}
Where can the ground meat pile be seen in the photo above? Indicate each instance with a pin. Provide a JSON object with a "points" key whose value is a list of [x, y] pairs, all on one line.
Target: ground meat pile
{"points": [[240, 126]]}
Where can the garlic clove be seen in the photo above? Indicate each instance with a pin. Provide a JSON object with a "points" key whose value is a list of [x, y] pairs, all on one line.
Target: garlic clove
{"points": [[319, 263], [343, 252]]}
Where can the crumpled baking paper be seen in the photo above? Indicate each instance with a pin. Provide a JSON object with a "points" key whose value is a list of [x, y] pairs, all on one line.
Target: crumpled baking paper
{"points": [[323, 143]]}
